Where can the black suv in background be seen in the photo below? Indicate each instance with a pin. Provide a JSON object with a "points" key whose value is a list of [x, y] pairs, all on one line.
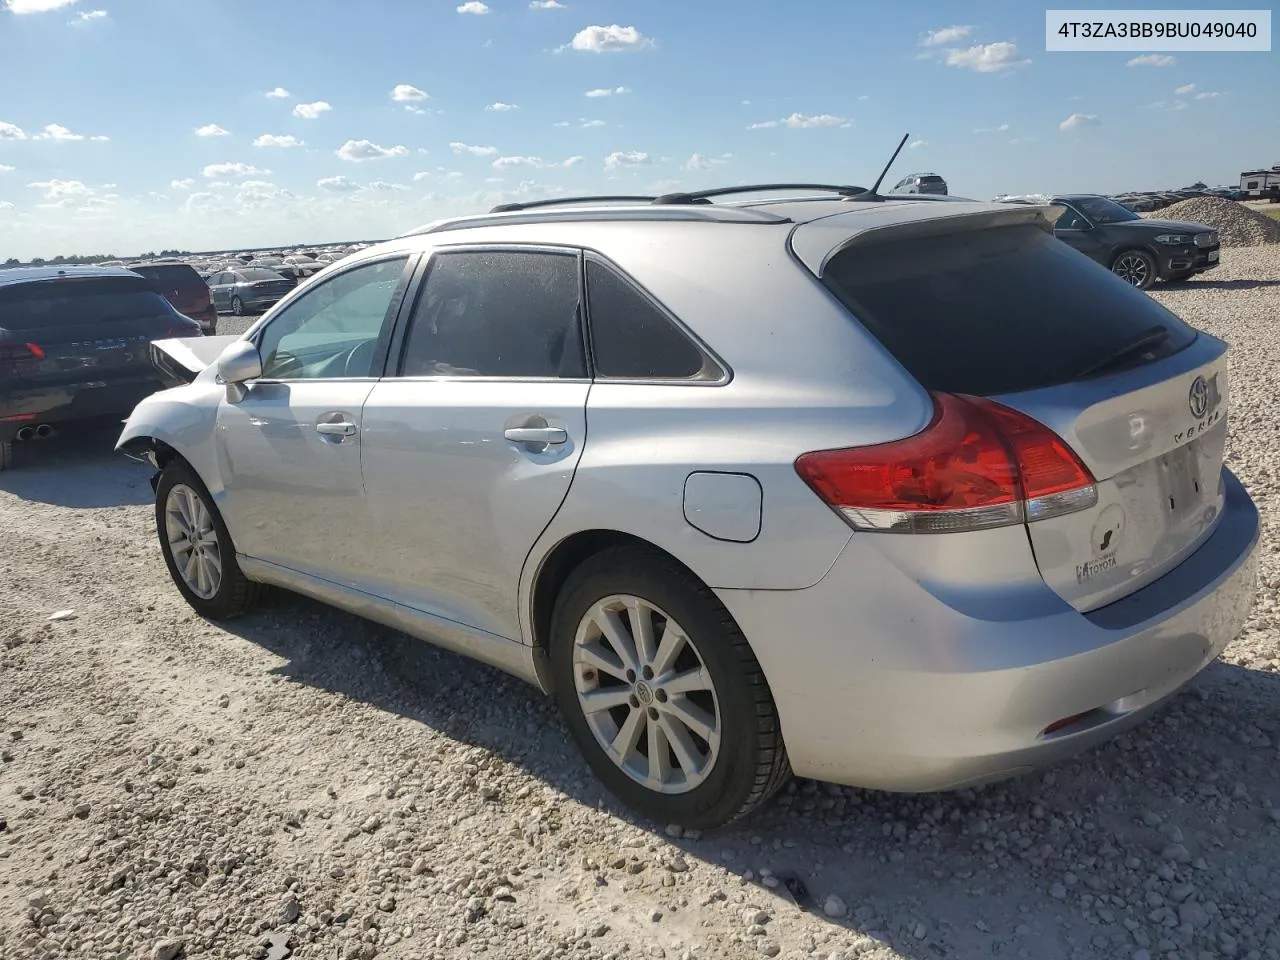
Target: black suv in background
{"points": [[75, 344], [1138, 249]]}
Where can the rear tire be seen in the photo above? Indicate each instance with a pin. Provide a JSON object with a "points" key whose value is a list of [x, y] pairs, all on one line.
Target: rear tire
{"points": [[197, 547], [6, 455], [702, 701], [237, 306], [1135, 267]]}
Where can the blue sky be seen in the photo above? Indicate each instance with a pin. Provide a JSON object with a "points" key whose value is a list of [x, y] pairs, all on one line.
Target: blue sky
{"points": [[128, 125]]}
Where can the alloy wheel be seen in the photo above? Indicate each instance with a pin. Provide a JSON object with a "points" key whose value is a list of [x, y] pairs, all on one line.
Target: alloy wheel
{"points": [[646, 694], [1132, 269], [193, 541]]}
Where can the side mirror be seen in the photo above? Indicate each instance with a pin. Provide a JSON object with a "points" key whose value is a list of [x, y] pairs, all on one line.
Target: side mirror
{"points": [[239, 363]]}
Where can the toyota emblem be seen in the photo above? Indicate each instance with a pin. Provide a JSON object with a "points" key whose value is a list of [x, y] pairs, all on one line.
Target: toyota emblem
{"points": [[1198, 397]]}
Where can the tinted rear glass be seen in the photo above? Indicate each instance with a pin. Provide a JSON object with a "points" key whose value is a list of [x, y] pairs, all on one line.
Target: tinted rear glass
{"points": [[994, 311], [255, 274], [66, 303], [174, 276], [931, 179]]}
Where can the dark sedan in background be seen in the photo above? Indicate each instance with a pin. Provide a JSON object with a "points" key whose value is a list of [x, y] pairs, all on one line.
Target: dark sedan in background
{"points": [[183, 287], [75, 344], [248, 290], [1138, 249]]}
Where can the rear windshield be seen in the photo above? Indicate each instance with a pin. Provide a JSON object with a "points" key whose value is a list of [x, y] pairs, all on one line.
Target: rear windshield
{"points": [[930, 178], [256, 273], [173, 276], [994, 311], [67, 303]]}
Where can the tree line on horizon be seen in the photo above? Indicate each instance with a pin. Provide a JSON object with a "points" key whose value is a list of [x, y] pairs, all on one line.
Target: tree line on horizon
{"points": [[80, 260]]}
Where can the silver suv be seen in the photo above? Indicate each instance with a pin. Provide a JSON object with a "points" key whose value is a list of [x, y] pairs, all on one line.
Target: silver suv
{"points": [[926, 183], [897, 493]]}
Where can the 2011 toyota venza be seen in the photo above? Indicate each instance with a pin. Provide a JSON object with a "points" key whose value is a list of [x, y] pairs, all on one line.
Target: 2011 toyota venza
{"points": [[899, 493]]}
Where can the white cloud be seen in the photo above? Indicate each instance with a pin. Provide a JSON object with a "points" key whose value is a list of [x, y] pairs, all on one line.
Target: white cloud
{"points": [[383, 186], [186, 184], [338, 185], [5, 205], [626, 158], [1208, 95], [608, 92], [215, 170], [610, 39], [987, 57], [410, 108], [546, 5], [311, 111], [56, 131], [501, 107], [5, 168], [474, 6], [475, 151], [212, 130], [57, 189], [936, 38], [802, 121], [279, 93], [100, 139], [1000, 129], [421, 175], [1077, 120], [357, 151], [278, 140], [1152, 60], [87, 17], [11, 131], [407, 93], [536, 163], [917, 144], [591, 124], [699, 162], [1183, 90], [36, 6]]}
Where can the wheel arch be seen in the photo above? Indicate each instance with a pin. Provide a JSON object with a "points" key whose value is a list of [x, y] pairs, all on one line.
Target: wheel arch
{"points": [[554, 570]]}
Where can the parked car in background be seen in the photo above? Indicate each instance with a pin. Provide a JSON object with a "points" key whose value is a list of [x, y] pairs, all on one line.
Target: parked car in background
{"points": [[183, 287], [921, 183], [248, 289], [1139, 250], [968, 516], [75, 345]]}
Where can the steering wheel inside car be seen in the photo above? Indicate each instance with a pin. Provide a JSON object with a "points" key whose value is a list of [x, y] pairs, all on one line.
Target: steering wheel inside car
{"points": [[360, 359]]}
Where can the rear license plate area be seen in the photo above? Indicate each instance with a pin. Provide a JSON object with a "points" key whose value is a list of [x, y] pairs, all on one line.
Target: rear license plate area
{"points": [[1180, 481]]}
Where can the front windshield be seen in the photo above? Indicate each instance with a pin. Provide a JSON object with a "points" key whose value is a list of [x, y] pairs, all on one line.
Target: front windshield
{"points": [[1102, 210]]}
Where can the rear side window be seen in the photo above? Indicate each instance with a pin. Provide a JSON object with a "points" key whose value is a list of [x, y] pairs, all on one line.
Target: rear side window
{"points": [[994, 311], [497, 314], [632, 339], [50, 304], [178, 277]]}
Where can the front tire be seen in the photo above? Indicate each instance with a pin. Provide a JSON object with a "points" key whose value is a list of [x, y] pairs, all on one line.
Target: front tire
{"points": [[237, 306], [662, 693], [1135, 267], [197, 547]]}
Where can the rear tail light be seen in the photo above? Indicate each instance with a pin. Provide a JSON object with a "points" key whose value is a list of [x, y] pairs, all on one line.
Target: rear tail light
{"points": [[978, 464], [13, 352]]}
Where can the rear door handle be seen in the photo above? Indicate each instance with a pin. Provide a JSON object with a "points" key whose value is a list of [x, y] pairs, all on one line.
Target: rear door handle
{"points": [[343, 428], [543, 435]]}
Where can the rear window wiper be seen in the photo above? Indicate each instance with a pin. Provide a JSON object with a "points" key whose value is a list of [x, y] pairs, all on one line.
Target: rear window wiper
{"points": [[1144, 342]]}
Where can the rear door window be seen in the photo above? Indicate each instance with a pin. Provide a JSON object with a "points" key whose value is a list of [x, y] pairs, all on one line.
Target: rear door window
{"points": [[994, 311], [51, 304]]}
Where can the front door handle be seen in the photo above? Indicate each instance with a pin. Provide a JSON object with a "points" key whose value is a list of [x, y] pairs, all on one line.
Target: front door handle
{"points": [[542, 435], [343, 428]]}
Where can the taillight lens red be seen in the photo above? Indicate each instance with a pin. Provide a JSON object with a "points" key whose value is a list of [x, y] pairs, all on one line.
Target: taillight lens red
{"points": [[978, 464], [14, 352]]}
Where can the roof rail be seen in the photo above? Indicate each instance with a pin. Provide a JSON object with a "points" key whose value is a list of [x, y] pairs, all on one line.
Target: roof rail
{"points": [[704, 196], [708, 213], [558, 201]]}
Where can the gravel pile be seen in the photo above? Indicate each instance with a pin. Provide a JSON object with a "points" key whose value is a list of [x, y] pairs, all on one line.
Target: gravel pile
{"points": [[1238, 225], [305, 784]]}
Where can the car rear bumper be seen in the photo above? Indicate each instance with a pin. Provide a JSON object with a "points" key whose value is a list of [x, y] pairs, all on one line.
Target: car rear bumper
{"points": [[77, 401], [888, 681]]}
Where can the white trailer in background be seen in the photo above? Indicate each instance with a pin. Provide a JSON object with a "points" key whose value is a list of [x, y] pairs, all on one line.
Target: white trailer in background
{"points": [[1261, 184]]}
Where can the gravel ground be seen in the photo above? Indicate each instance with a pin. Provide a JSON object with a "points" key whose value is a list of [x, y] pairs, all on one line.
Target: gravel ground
{"points": [[170, 787]]}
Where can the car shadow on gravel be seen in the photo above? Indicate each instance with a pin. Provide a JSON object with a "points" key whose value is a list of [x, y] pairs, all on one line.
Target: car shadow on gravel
{"points": [[969, 873], [1225, 284], [77, 468]]}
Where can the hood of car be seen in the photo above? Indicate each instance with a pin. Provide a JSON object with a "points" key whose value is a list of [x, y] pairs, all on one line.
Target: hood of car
{"points": [[1173, 226]]}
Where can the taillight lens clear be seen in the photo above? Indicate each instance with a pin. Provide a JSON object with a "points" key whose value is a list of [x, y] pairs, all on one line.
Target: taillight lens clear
{"points": [[978, 464]]}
